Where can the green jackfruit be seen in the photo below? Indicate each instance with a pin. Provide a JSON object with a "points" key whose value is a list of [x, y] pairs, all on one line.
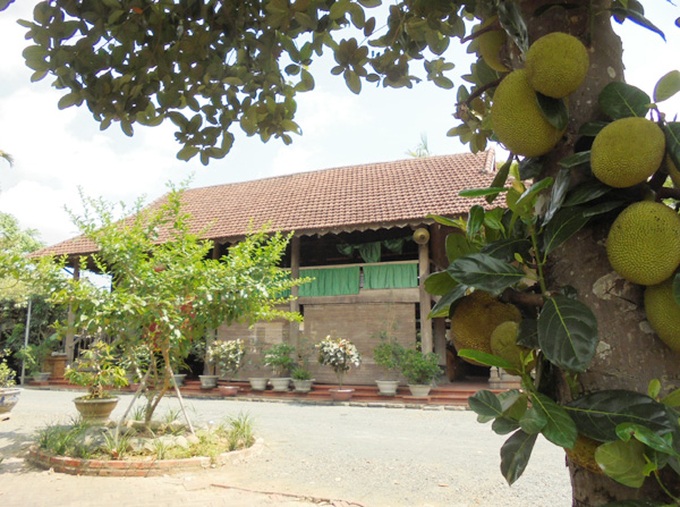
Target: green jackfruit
{"points": [[475, 318], [556, 64], [490, 44], [643, 245], [504, 344], [627, 152], [517, 119], [663, 313], [583, 454]]}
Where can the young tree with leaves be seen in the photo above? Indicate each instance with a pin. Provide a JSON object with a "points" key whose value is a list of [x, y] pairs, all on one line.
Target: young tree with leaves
{"points": [[167, 289], [210, 66]]}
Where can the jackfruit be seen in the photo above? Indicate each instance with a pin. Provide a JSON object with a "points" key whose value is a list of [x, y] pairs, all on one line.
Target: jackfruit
{"points": [[583, 454], [517, 119], [475, 318], [643, 245], [663, 313], [627, 152], [490, 44], [673, 172], [504, 344], [556, 64]]}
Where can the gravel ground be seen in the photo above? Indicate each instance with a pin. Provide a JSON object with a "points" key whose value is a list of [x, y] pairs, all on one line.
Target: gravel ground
{"points": [[369, 456]]}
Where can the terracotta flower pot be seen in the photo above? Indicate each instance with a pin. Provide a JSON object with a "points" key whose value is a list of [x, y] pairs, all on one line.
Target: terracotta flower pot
{"points": [[341, 394], [228, 390]]}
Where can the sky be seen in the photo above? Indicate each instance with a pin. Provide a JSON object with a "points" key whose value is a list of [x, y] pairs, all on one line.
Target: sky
{"points": [[56, 153]]}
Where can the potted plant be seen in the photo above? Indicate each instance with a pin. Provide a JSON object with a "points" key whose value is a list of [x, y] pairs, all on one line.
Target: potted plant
{"points": [[96, 369], [228, 358], [279, 358], [9, 393], [302, 379], [387, 354], [34, 357], [340, 354], [420, 370]]}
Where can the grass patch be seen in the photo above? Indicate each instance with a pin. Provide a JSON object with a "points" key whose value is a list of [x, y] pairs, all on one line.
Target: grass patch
{"points": [[167, 439]]}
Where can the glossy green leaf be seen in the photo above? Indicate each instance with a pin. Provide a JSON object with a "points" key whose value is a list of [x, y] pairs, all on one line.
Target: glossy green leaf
{"points": [[448, 222], [563, 226], [591, 128], [553, 110], [667, 86], [505, 249], [558, 194], [575, 160], [500, 178], [602, 208], [458, 245], [504, 425], [515, 455], [567, 333], [598, 414], [527, 335], [439, 283], [485, 404], [623, 461], [533, 421], [662, 444], [586, 192], [481, 192], [442, 307], [672, 399], [475, 220], [621, 100], [485, 272], [485, 358], [654, 388], [560, 428], [530, 194]]}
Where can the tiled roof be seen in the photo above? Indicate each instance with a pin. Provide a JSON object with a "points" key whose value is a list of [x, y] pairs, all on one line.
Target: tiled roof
{"points": [[342, 199]]}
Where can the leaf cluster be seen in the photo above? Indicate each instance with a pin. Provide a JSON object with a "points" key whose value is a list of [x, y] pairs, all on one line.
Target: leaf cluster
{"points": [[211, 66]]}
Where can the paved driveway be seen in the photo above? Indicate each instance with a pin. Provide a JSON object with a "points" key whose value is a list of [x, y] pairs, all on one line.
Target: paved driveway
{"points": [[310, 455]]}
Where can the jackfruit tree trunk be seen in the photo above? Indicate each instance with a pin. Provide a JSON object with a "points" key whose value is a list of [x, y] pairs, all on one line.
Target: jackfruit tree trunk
{"points": [[629, 355]]}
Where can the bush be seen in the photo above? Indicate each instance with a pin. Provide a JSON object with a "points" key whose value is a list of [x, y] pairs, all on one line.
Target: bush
{"points": [[419, 368]]}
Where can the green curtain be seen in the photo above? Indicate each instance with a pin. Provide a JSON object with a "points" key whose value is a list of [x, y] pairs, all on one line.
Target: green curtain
{"points": [[391, 276], [330, 281]]}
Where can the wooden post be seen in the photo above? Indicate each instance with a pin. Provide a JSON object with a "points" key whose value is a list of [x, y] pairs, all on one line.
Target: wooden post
{"points": [[425, 322], [70, 338], [294, 327]]}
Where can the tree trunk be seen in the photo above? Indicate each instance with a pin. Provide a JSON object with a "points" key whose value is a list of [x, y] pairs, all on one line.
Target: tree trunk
{"points": [[629, 354]]}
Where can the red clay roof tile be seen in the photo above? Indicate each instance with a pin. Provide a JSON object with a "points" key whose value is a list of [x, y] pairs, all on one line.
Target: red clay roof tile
{"points": [[341, 199]]}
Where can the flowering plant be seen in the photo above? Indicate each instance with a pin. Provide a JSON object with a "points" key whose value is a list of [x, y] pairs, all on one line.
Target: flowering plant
{"points": [[228, 356], [338, 353]]}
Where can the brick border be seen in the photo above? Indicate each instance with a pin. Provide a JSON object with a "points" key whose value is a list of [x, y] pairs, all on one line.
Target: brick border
{"points": [[135, 468]]}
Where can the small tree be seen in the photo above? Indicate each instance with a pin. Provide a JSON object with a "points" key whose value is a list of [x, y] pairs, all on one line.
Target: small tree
{"points": [[340, 354], [167, 290]]}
